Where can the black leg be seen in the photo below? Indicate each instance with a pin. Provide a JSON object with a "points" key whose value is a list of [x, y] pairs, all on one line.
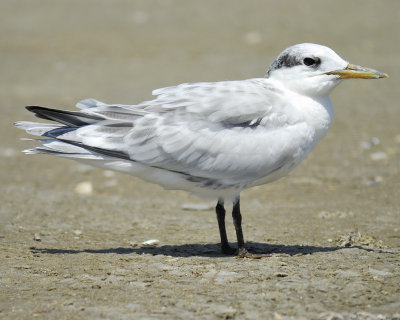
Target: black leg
{"points": [[237, 221], [220, 210]]}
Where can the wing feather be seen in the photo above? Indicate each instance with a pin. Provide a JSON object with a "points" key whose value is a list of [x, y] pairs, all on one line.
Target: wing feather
{"points": [[229, 131], [223, 130]]}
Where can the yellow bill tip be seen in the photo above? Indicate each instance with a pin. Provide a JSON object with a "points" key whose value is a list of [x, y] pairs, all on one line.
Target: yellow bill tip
{"points": [[353, 71]]}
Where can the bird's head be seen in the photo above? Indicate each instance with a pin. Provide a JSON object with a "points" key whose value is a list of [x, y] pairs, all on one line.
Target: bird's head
{"points": [[315, 70]]}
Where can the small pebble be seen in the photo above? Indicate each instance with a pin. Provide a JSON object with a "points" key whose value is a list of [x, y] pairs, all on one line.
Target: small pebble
{"points": [[380, 155], [151, 242], [376, 181], [84, 188], [370, 183], [77, 232], [281, 274], [36, 237], [375, 141], [366, 145]]}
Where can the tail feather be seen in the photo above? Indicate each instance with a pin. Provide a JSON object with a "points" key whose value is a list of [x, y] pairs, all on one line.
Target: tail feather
{"points": [[62, 138], [67, 150], [35, 128]]}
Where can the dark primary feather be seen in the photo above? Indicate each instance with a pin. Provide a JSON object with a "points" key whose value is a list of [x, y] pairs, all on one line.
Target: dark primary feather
{"points": [[69, 118]]}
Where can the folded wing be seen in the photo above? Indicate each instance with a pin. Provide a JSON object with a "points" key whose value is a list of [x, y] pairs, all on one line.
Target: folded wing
{"points": [[229, 131]]}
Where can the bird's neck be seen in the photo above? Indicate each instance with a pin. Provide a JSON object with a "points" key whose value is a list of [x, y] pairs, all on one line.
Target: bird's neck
{"points": [[315, 109], [318, 113]]}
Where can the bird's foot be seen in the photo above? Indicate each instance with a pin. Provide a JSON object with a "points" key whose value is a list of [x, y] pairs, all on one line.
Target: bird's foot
{"points": [[243, 253]]}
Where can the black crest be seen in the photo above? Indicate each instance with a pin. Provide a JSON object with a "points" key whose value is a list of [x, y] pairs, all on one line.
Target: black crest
{"points": [[285, 61]]}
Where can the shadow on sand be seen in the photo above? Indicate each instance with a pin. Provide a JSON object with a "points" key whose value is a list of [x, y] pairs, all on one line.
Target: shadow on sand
{"points": [[200, 250]]}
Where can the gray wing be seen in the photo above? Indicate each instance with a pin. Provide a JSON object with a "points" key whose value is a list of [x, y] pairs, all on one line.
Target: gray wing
{"points": [[230, 130]]}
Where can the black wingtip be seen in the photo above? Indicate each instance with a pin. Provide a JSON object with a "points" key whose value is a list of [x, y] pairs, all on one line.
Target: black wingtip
{"points": [[38, 111], [68, 118], [32, 108]]}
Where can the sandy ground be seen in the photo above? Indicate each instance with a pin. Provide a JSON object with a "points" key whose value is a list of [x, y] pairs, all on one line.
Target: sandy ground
{"points": [[332, 226]]}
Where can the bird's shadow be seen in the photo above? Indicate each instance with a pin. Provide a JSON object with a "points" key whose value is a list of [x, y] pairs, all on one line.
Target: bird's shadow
{"points": [[199, 250]]}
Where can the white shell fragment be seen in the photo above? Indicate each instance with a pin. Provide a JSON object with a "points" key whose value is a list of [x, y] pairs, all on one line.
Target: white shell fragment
{"points": [[151, 242]]}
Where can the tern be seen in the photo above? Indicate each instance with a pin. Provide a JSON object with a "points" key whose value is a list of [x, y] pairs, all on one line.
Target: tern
{"points": [[212, 139]]}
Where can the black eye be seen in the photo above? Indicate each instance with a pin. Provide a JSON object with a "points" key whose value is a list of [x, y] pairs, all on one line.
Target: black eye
{"points": [[309, 61]]}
